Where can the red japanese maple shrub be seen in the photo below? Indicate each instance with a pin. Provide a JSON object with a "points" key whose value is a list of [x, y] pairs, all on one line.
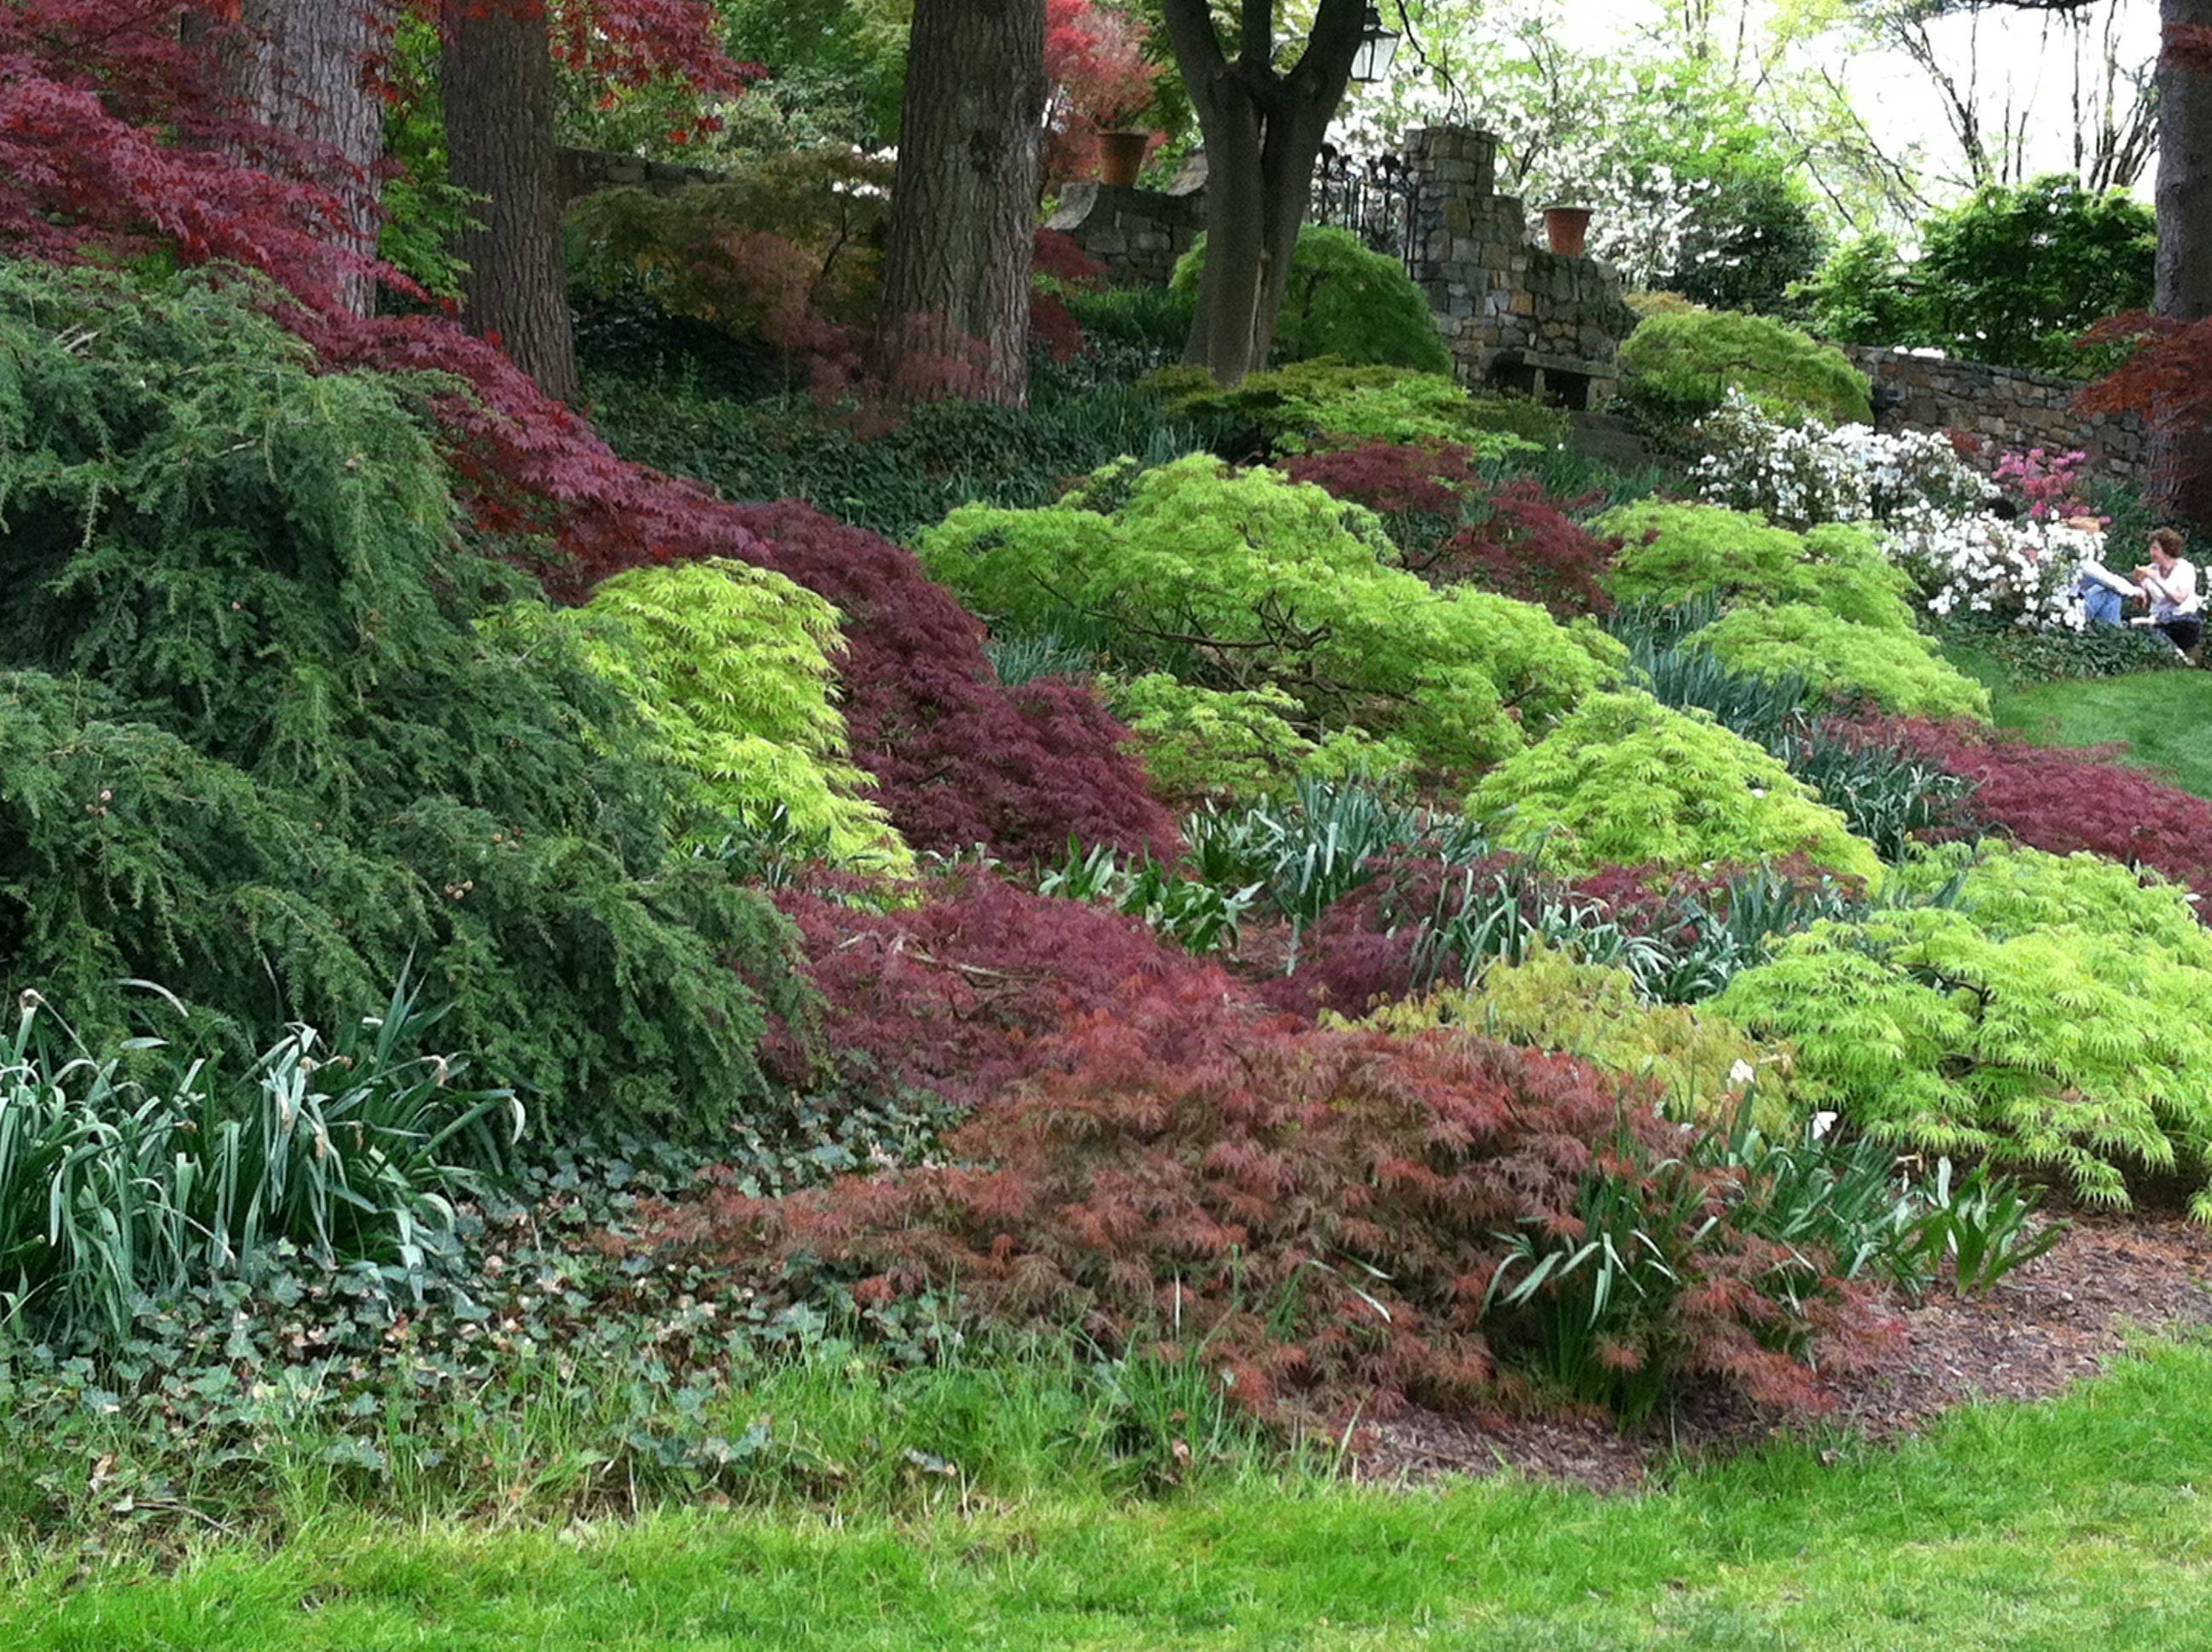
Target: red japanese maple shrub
{"points": [[1521, 542], [958, 759], [2061, 801], [1317, 1216], [1417, 488], [1454, 525], [957, 996]]}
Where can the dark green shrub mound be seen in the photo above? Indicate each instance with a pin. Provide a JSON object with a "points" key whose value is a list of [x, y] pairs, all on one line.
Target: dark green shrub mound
{"points": [[253, 746], [1678, 367], [1343, 300]]}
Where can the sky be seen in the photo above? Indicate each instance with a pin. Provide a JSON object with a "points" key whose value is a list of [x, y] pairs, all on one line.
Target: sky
{"points": [[2009, 52]]}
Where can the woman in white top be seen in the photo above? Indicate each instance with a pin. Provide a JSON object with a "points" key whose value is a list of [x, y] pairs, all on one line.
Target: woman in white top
{"points": [[2169, 580]]}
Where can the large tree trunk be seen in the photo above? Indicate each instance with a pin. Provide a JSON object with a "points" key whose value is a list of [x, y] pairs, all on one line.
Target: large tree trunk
{"points": [[306, 67], [2182, 459], [1263, 136], [963, 202], [499, 93]]}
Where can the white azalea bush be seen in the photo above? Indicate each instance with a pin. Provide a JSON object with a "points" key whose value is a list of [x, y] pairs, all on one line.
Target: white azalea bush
{"points": [[1933, 508], [2022, 572], [1809, 473]]}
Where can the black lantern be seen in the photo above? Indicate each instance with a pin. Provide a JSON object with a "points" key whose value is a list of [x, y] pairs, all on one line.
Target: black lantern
{"points": [[1378, 48]]}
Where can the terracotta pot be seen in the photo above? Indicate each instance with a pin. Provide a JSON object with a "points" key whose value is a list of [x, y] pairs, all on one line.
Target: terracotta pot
{"points": [[1122, 157], [1565, 228]]}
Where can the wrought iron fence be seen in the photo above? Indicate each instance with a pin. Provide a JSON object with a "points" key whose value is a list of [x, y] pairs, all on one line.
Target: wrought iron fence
{"points": [[1378, 198]]}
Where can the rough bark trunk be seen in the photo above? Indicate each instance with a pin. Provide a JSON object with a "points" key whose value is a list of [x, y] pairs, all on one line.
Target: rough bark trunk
{"points": [[1263, 136], [304, 67], [2182, 459], [963, 202], [499, 93]]}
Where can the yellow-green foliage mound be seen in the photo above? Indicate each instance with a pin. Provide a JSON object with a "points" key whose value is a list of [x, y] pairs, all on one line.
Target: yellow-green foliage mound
{"points": [[1902, 672], [1672, 554], [2055, 1016], [730, 666], [1702, 1066], [1244, 580], [1625, 781]]}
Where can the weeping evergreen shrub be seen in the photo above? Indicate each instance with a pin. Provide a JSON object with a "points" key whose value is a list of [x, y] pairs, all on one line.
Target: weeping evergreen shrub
{"points": [[254, 744]]}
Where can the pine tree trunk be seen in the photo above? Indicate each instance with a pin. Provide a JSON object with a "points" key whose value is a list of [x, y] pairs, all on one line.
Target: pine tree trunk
{"points": [[963, 202], [2182, 459], [305, 66], [499, 93]]}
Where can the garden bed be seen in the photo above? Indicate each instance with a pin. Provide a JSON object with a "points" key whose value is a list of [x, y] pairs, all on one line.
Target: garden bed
{"points": [[2064, 1317]]}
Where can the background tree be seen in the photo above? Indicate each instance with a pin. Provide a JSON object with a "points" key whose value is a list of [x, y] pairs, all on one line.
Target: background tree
{"points": [[2183, 457], [2013, 275], [1263, 129], [963, 203], [310, 68], [499, 96]]}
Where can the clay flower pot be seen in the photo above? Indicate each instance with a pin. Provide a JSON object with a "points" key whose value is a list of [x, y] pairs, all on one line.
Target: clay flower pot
{"points": [[1122, 157], [1565, 229]]}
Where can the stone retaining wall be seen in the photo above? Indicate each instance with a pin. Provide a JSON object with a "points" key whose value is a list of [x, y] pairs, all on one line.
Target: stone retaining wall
{"points": [[1516, 316], [2001, 407], [1135, 236]]}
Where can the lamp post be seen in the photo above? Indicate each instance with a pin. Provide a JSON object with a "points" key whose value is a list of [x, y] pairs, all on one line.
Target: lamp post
{"points": [[1378, 49]]}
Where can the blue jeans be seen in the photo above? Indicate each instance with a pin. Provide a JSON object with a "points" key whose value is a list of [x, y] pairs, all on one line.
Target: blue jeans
{"points": [[2105, 605]]}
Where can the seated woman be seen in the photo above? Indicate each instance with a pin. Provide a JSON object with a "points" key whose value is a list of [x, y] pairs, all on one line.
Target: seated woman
{"points": [[2177, 608]]}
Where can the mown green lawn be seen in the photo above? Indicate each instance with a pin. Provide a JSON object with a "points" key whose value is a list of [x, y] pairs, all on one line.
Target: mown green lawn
{"points": [[2165, 717], [2084, 1523]]}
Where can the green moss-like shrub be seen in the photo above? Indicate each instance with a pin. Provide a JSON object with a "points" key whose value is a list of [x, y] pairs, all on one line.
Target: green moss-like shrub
{"points": [[1344, 300], [253, 744], [1235, 742], [1315, 402], [730, 666], [1702, 1066], [2054, 1017], [1243, 580], [1679, 366], [1901, 672], [1625, 781], [1672, 554]]}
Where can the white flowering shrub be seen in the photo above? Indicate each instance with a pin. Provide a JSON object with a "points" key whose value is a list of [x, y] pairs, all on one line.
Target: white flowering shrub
{"points": [[2022, 572], [1931, 504], [1809, 473]]}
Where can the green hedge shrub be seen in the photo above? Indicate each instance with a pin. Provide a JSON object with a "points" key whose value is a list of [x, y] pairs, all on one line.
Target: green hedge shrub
{"points": [[1673, 554], [728, 252], [1902, 672], [730, 666], [1343, 300], [1625, 781], [2054, 1017], [1232, 578], [1679, 366], [1306, 403], [253, 744]]}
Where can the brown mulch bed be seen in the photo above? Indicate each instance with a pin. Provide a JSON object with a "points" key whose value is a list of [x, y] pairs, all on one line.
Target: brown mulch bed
{"points": [[2061, 1318]]}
